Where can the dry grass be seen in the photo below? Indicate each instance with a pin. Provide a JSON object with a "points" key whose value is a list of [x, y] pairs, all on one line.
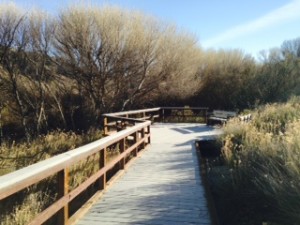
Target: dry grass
{"points": [[265, 154], [15, 156], [23, 213]]}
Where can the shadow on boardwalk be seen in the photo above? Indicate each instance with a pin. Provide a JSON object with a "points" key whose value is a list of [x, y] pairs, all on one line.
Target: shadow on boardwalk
{"points": [[162, 187]]}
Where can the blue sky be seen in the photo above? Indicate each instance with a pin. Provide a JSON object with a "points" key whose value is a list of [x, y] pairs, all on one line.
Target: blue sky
{"points": [[250, 25]]}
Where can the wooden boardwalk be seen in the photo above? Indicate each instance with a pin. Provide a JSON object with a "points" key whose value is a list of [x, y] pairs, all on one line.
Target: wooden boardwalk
{"points": [[161, 187]]}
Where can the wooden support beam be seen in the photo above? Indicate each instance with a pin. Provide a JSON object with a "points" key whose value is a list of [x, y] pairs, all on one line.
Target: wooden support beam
{"points": [[143, 136], [102, 163], [136, 139], [63, 190], [122, 149], [144, 114], [105, 125], [148, 132]]}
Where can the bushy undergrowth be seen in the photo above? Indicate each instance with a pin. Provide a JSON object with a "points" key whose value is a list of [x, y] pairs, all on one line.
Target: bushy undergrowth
{"points": [[264, 159]]}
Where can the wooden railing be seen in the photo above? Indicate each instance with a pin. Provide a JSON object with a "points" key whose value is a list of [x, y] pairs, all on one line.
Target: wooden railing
{"points": [[60, 166], [184, 114], [117, 121], [113, 122], [133, 135]]}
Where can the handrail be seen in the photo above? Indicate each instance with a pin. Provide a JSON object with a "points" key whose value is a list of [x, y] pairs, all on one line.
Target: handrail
{"points": [[132, 112], [185, 108]]}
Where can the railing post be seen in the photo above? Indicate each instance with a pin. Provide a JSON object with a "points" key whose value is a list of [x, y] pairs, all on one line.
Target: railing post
{"points": [[148, 132], [143, 137], [122, 149], [105, 127], [144, 115], [102, 163], [163, 115], [63, 189], [136, 138], [119, 125]]}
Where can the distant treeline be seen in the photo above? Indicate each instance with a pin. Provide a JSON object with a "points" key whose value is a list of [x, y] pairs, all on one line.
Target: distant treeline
{"points": [[64, 71]]}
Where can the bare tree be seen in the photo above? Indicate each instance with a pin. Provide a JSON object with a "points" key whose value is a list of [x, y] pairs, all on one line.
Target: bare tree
{"points": [[41, 69], [13, 42], [118, 56], [291, 47], [180, 61], [227, 78]]}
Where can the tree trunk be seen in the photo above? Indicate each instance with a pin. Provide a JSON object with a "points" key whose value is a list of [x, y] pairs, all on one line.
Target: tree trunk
{"points": [[21, 106], [41, 118]]}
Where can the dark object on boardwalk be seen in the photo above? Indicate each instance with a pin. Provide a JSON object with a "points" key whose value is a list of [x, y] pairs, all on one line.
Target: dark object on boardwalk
{"points": [[220, 117]]}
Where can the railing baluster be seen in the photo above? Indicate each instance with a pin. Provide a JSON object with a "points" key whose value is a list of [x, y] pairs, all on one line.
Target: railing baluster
{"points": [[102, 163], [122, 149], [105, 127], [63, 189], [136, 138], [143, 137], [148, 132]]}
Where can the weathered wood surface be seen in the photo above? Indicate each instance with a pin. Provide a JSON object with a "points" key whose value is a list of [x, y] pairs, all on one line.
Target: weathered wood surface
{"points": [[163, 186]]}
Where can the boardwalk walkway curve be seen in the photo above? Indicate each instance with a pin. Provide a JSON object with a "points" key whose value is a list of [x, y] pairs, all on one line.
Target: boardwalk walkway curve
{"points": [[162, 187]]}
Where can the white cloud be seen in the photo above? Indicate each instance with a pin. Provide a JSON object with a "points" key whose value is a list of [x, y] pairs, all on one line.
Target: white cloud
{"points": [[281, 15]]}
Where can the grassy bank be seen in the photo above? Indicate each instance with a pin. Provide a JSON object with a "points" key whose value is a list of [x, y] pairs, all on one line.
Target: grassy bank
{"points": [[260, 177]]}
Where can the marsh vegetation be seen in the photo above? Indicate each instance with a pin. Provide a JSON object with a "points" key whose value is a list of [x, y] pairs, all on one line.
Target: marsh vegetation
{"points": [[256, 179]]}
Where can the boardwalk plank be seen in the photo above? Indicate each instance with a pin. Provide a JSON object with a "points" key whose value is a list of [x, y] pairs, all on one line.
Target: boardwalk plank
{"points": [[162, 187]]}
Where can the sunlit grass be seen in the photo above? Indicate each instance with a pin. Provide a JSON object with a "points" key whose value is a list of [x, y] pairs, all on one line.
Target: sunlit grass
{"points": [[265, 154]]}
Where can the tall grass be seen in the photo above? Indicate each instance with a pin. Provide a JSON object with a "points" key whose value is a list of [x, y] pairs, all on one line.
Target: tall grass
{"points": [[265, 155], [15, 156], [22, 208], [23, 213]]}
